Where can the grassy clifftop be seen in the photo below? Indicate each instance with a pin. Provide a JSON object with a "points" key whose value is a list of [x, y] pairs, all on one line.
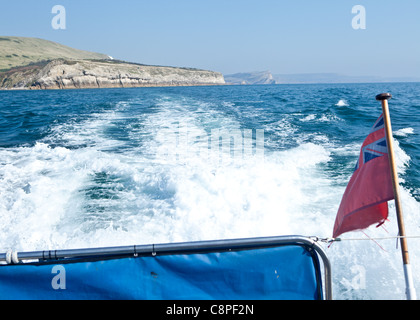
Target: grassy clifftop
{"points": [[21, 51], [30, 63]]}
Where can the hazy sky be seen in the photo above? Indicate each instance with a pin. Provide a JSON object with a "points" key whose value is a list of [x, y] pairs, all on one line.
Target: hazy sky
{"points": [[293, 36]]}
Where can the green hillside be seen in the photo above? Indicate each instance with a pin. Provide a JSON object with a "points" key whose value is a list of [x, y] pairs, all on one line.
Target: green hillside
{"points": [[21, 51]]}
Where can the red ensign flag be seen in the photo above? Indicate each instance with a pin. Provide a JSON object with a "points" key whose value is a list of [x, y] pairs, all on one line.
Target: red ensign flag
{"points": [[365, 200]]}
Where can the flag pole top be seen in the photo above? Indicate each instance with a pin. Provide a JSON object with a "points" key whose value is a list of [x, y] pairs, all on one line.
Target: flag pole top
{"points": [[383, 96]]}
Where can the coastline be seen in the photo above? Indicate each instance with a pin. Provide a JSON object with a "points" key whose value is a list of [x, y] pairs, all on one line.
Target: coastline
{"points": [[149, 85], [89, 74]]}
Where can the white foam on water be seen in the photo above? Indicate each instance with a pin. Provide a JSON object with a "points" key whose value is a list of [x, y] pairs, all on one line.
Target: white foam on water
{"points": [[403, 132], [342, 103], [35, 191], [251, 198], [329, 118], [321, 118], [309, 117]]}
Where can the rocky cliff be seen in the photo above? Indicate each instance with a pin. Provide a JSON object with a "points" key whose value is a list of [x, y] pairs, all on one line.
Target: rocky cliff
{"points": [[70, 74]]}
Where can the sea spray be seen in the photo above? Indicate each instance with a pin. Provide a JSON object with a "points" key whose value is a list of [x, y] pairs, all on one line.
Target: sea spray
{"points": [[342, 103]]}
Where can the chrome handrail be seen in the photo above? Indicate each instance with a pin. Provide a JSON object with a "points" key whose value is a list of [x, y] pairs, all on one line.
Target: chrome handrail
{"points": [[180, 247]]}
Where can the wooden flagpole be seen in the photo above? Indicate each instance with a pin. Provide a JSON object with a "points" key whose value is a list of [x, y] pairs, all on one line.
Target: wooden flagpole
{"points": [[410, 291]]}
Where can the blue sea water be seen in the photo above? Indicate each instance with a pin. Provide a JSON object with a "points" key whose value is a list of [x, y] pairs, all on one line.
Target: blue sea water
{"points": [[105, 167]]}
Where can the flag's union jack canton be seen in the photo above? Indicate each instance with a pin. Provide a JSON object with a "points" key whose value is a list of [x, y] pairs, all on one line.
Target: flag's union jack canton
{"points": [[371, 150]]}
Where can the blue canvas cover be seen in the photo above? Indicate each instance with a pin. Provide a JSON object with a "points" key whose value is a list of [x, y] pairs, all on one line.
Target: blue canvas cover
{"points": [[283, 272]]}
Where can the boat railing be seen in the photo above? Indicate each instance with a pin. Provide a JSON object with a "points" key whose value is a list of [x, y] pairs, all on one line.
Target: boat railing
{"points": [[99, 253]]}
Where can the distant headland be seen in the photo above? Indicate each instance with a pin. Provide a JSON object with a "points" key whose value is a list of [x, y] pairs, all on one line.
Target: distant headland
{"points": [[266, 77]]}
